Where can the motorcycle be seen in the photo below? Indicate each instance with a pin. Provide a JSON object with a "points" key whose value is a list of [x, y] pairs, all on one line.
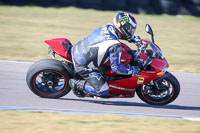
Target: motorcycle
{"points": [[49, 78]]}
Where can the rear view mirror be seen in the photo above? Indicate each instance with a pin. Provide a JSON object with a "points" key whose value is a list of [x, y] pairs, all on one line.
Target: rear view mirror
{"points": [[148, 29]]}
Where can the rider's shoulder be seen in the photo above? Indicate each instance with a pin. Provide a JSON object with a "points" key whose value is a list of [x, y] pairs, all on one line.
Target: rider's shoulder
{"points": [[109, 29]]}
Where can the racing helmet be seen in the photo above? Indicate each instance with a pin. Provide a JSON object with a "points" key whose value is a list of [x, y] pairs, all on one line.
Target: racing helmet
{"points": [[126, 24]]}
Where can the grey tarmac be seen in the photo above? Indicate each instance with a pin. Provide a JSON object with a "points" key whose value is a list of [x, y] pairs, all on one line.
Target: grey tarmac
{"points": [[14, 93]]}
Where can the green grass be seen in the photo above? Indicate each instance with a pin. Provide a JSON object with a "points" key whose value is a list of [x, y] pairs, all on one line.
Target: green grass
{"points": [[24, 29], [39, 122]]}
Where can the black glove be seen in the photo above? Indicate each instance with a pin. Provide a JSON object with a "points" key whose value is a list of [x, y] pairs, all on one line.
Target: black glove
{"points": [[132, 39], [135, 39]]}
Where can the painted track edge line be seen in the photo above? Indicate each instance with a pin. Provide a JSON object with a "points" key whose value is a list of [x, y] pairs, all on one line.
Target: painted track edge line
{"points": [[12, 61], [137, 115]]}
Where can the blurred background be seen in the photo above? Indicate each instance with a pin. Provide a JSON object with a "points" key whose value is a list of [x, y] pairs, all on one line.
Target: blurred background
{"points": [[172, 7], [26, 24]]}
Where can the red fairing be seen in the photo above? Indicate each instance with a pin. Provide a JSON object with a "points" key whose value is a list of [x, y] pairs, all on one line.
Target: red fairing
{"points": [[143, 56], [125, 59], [127, 87], [159, 64], [57, 47]]}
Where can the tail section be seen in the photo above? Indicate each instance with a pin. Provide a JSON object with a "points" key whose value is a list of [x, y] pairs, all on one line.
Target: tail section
{"points": [[61, 46]]}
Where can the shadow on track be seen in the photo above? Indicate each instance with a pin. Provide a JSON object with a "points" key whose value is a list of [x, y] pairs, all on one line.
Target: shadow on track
{"points": [[125, 103]]}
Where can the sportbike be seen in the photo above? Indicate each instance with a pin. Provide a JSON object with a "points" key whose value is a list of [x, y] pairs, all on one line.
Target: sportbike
{"points": [[49, 78]]}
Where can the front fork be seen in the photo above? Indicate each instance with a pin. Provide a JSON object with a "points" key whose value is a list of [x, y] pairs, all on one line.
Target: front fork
{"points": [[157, 80]]}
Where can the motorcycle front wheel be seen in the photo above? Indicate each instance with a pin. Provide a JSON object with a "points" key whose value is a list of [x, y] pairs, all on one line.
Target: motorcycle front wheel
{"points": [[169, 89], [48, 79]]}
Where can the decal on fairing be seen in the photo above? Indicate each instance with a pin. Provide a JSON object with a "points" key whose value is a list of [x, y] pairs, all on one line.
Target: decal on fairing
{"points": [[120, 88], [140, 80]]}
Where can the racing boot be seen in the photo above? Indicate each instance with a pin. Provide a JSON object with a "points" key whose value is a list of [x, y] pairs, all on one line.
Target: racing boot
{"points": [[77, 87]]}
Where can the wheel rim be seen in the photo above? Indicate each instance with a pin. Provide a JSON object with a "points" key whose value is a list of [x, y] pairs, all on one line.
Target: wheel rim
{"points": [[49, 82], [153, 95]]}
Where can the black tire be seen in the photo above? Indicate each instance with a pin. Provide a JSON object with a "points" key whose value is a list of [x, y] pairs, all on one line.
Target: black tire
{"points": [[114, 4], [89, 3], [138, 2], [64, 2], [175, 90], [166, 6], [43, 3], [15, 2], [138, 6], [194, 9], [196, 2], [48, 71]]}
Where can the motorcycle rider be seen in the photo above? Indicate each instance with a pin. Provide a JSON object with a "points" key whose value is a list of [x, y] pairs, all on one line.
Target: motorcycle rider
{"points": [[93, 51]]}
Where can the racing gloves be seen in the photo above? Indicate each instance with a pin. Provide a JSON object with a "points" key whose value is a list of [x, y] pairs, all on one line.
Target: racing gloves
{"points": [[135, 39], [135, 71]]}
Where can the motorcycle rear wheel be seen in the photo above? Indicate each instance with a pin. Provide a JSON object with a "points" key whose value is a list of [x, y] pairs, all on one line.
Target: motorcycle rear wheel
{"points": [[170, 89], [48, 79]]}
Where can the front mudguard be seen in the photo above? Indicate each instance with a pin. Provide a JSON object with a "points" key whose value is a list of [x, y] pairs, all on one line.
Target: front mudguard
{"points": [[167, 74]]}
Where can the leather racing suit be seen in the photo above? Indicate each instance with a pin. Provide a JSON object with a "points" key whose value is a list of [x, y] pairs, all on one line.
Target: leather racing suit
{"points": [[92, 52]]}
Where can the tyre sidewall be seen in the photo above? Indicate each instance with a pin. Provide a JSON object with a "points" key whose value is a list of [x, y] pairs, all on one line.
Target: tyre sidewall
{"points": [[176, 90], [53, 65]]}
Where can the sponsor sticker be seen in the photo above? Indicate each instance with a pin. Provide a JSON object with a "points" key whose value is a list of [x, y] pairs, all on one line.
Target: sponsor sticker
{"points": [[123, 22], [140, 80], [120, 88]]}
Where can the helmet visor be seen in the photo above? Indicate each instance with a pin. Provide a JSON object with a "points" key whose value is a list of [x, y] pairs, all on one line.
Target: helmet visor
{"points": [[130, 29]]}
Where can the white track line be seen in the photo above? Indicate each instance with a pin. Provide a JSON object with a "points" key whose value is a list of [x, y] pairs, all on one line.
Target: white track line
{"points": [[9, 108], [8, 61]]}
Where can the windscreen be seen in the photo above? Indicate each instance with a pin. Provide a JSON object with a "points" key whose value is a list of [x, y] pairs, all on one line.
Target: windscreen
{"points": [[157, 50]]}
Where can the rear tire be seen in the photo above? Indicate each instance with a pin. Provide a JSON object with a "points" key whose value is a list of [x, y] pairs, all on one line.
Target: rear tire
{"points": [[171, 90], [48, 78]]}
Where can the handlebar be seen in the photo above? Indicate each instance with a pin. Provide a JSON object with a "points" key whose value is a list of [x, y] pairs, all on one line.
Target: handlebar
{"points": [[141, 47]]}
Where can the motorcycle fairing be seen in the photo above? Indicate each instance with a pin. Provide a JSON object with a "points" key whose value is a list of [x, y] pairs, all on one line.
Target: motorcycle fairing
{"points": [[158, 64], [127, 87], [123, 87], [59, 46]]}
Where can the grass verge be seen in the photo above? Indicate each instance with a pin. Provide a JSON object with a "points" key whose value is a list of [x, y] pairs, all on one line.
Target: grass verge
{"points": [[24, 29], [45, 122]]}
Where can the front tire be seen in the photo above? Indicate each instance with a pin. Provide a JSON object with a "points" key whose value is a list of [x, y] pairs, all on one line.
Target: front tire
{"points": [[48, 79], [168, 92]]}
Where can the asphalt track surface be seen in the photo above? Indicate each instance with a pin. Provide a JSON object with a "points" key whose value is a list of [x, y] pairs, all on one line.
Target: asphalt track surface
{"points": [[15, 94]]}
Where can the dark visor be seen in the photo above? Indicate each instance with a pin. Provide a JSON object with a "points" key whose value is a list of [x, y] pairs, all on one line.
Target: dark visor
{"points": [[130, 29]]}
